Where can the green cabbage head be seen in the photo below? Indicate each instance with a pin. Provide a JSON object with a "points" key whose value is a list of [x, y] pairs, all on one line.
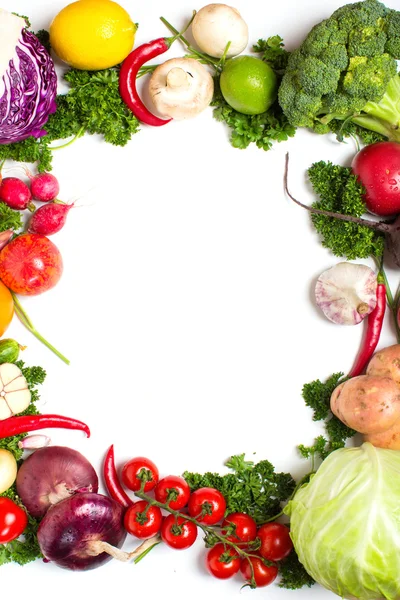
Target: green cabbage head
{"points": [[345, 523]]}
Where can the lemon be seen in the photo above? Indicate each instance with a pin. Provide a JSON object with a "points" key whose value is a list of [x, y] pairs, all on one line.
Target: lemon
{"points": [[92, 34], [248, 84]]}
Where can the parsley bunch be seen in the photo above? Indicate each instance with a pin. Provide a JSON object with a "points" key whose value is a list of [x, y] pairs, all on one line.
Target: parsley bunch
{"points": [[27, 549]]}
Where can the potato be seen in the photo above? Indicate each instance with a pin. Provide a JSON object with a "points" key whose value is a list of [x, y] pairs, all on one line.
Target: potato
{"points": [[389, 439], [386, 363], [367, 404]]}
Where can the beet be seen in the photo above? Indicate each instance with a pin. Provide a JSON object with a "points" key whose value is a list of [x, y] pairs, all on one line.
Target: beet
{"points": [[82, 532], [52, 474]]}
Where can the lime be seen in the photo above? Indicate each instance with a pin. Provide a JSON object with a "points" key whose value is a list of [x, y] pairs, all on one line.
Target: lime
{"points": [[248, 84], [92, 34]]}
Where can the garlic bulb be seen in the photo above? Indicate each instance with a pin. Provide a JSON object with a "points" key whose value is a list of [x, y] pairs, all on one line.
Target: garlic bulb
{"points": [[15, 396], [346, 293]]}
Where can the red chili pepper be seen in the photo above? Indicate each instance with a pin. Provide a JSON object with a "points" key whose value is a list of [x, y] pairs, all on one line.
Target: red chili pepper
{"points": [[112, 482], [127, 79], [372, 335], [26, 423]]}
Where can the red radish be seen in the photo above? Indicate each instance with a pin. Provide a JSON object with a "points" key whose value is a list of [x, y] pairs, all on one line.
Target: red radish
{"points": [[44, 187], [377, 167], [49, 219], [16, 194]]}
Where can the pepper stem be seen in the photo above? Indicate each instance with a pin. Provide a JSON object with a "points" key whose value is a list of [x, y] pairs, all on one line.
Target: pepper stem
{"points": [[202, 57], [25, 320]]}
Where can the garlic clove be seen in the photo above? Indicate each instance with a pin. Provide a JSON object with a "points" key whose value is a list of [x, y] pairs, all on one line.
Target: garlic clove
{"points": [[346, 293], [15, 395]]}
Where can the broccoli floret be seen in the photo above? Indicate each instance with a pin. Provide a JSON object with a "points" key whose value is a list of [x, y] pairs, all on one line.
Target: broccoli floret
{"points": [[346, 68]]}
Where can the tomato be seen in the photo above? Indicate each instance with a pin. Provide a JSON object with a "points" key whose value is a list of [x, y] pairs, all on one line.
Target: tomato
{"points": [[207, 505], [239, 527], [134, 471], [275, 541], [261, 575], [172, 490], [222, 561], [6, 308], [178, 532], [377, 167], [13, 520], [141, 521], [30, 264]]}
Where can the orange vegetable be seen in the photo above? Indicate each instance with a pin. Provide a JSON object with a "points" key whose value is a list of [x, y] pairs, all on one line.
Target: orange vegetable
{"points": [[6, 308]]}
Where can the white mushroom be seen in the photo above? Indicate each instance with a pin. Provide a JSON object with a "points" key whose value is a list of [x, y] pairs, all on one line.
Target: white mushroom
{"points": [[346, 293], [15, 396], [217, 24], [181, 88]]}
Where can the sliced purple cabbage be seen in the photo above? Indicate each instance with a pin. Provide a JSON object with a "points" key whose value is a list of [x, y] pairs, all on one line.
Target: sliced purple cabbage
{"points": [[27, 91]]}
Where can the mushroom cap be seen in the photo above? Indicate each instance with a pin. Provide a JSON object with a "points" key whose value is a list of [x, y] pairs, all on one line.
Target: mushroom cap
{"points": [[181, 88], [215, 25], [346, 293]]}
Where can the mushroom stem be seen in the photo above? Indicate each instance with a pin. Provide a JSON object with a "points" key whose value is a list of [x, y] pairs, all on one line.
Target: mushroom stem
{"points": [[178, 79]]}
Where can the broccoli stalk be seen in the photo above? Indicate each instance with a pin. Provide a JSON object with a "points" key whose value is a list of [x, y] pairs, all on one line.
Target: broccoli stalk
{"points": [[383, 117]]}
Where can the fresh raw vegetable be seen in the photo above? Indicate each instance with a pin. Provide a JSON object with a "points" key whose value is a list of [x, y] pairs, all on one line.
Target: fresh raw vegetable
{"points": [[344, 525], [50, 218], [28, 81], [16, 194], [373, 331], [9, 351], [26, 423], [129, 72], [52, 474], [367, 403], [346, 293], [44, 186], [216, 25], [112, 482], [377, 167], [346, 70], [15, 395], [257, 573], [92, 35], [138, 470], [172, 490], [6, 308], [386, 363], [239, 528], [82, 531], [142, 520], [33, 442], [181, 88], [178, 532], [30, 264], [248, 84], [207, 505], [390, 229], [222, 562], [13, 520], [8, 470], [275, 541]]}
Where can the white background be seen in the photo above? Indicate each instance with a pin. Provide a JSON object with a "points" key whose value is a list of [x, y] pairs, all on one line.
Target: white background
{"points": [[186, 307]]}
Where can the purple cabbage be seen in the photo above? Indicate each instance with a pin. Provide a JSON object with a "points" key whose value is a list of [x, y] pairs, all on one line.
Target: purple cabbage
{"points": [[30, 88]]}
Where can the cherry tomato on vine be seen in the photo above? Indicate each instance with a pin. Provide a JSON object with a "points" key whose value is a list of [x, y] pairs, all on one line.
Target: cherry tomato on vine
{"points": [[239, 527], [134, 471], [275, 541], [13, 520], [172, 490], [142, 520], [261, 575], [222, 561], [178, 532], [207, 505]]}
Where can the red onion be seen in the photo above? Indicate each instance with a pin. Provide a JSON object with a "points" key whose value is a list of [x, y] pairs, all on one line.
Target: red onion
{"points": [[52, 474], [83, 532]]}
